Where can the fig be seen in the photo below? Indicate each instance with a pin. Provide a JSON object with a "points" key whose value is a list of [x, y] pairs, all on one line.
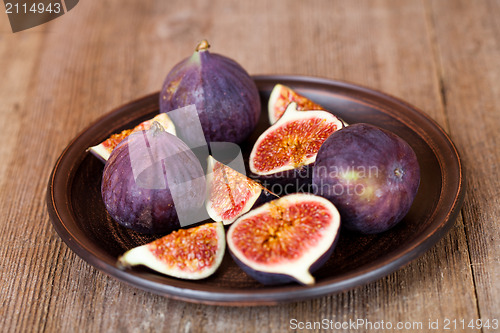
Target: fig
{"points": [[370, 174], [225, 96], [281, 96], [286, 239], [230, 193], [193, 253], [284, 151], [104, 149], [152, 182]]}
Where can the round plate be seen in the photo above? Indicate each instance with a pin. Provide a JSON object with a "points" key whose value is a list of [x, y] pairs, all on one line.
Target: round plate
{"points": [[79, 216]]}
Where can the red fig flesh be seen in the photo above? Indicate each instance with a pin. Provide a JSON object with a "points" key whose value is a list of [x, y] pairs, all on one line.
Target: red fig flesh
{"points": [[285, 239], [225, 96], [281, 96], [293, 141], [193, 253], [230, 193], [104, 149]]}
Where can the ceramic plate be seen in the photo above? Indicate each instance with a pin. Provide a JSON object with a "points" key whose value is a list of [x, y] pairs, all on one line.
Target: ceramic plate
{"points": [[78, 213]]}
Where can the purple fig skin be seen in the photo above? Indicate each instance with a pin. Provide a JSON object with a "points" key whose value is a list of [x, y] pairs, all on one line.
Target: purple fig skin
{"points": [[143, 209], [257, 239], [371, 175], [278, 278], [226, 97]]}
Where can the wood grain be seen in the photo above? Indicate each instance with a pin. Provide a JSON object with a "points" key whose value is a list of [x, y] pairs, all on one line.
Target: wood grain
{"points": [[470, 65], [441, 56]]}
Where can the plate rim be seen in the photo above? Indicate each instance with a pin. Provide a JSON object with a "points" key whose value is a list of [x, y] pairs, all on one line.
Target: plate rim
{"points": [[276, 294]]}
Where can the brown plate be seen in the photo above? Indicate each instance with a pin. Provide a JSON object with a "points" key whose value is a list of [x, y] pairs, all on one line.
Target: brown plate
{"points": [[78, 213]]}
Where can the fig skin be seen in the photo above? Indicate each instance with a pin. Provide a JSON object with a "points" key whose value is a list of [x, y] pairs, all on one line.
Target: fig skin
{"points": [[272, 228], [133, 202], [370, 174], [226, 97], [281, 96]]}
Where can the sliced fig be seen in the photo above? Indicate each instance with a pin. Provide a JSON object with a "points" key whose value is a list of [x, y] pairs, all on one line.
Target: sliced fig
{"points": [[192, 254], [226, 97], [281, 96], [152, 182], [292, 142], [104, 149], [230, 193], [286, 239]]}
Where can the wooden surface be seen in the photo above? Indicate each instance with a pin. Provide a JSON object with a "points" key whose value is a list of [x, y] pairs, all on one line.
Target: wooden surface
{"points": [[441, 56]]}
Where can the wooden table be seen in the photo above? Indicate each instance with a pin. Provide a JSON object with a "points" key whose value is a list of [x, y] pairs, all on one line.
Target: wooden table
{"points": [[441, 56]]}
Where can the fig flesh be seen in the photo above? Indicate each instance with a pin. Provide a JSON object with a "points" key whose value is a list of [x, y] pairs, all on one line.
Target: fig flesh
{"points": [[152, 182], [225, 96], [286, 239], [193, 253], [230, 193], [292, 142], [370, 174], [104, 149], [281, 96]]}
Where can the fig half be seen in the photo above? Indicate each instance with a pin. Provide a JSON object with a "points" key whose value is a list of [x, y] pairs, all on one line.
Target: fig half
{"points": [[192, 254], [286, 239], [104, 149], [226, 98], [293, 142], [281, 96], [230, 193]]}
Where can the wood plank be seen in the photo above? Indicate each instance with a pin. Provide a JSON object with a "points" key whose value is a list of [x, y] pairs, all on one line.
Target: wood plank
{"points": [[468, 39]]}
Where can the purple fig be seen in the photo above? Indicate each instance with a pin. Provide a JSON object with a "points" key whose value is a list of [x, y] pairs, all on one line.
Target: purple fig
{"points": [[225, 96], [286, 239], [370, 174], [151, 181]]}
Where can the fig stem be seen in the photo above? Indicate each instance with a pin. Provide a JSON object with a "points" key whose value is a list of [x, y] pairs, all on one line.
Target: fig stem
{"points": [[398, 172], [156, 128], [202, 46]]}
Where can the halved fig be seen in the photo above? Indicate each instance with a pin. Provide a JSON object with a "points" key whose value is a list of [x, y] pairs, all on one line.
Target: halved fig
{"points": [[281, 96], [286, 239], [104, 149], [192, 254], [230, 193], [293, 141]]}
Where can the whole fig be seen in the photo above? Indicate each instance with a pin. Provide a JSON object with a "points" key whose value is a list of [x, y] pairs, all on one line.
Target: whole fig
{"points": [[152, 182], [225, 96], [370, 174], [192, 254]]}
